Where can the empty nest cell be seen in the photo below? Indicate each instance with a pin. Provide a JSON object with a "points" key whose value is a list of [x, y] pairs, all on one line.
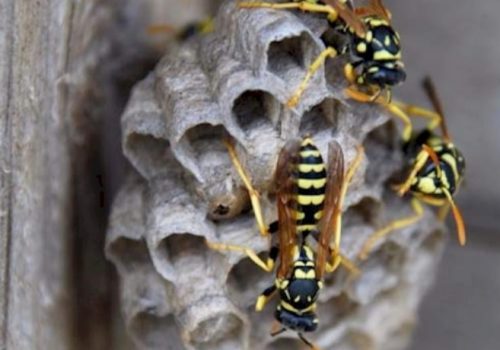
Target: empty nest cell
{"points": [[225, 331], [286, 55], [128, 254], [153, 332], [245, 282], [180, 254], [257, 112], [321, 118]]}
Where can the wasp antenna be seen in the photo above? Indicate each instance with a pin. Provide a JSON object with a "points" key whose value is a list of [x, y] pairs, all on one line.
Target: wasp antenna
{"points": [[462, 238], [435, 159], [430, 90], [161, 29]]}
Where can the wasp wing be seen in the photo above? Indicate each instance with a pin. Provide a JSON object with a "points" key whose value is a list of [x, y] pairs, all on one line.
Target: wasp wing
{"points": [[286, 185], [430, 90], [381, 10], [348, 15], [331, 209], [375, 9]]}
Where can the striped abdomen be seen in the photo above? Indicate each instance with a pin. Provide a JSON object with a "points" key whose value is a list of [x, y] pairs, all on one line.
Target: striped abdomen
{"points": [[311, 184]]}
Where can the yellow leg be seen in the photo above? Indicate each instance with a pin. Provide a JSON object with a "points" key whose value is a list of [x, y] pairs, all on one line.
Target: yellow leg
{"points": [[266, 266], [299, 5], [392, 107], [359, 96], [329, 52], [343, 191], [349, 73], [434, 118], [400, 114], [253, 193], [264, 298], [339, 259], [443, 211], [394, 225], [422, 158]]}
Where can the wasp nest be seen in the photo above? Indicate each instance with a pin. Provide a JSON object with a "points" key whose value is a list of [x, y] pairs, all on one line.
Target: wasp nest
{"points": [[176, 293]]}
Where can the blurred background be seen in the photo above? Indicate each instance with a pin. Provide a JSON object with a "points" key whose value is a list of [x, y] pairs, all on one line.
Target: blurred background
{"points": [[454, 43]]}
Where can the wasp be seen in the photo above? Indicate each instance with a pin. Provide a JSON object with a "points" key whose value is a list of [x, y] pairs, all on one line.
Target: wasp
{"points": [[309, 200], [190, 30], [374, 48], [436, 171]]}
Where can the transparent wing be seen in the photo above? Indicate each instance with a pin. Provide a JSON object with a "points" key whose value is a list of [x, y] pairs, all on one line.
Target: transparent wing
{"points": [[331, 210]]}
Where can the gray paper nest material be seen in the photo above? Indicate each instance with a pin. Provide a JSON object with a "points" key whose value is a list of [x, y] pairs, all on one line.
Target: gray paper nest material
{"points": [[177, 293]]}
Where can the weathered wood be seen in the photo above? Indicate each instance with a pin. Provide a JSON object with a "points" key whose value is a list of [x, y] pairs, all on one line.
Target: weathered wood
{"points": [[35, 177], [66, 68]]}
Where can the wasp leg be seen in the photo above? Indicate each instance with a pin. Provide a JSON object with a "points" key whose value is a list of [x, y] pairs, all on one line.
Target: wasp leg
{"points": [[392, 107], [277, 329], [349, 73], [308, 342], [347, 181], [250, 253], [392, 226], [339, 259], [434, 118], [155, 29], [253, 193], [443, 211], [329, 52], [421, 159], [264, 298], [299, 5]]}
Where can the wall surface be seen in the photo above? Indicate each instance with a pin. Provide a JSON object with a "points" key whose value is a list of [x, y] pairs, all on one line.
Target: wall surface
{"points": [[456, 43]]}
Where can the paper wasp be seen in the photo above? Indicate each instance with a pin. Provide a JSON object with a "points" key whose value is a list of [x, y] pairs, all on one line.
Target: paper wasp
{"points": [[309, 202], [437, 170], [186, 32], [373, 47]]}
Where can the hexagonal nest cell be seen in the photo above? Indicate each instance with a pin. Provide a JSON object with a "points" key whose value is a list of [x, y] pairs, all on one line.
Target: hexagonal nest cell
{"points": [[179, 294]]}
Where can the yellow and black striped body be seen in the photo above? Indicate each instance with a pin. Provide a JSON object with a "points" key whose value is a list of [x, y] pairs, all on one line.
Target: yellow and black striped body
{"points": [[377, 55], [311, 182], [428, 185], [298, 293]]}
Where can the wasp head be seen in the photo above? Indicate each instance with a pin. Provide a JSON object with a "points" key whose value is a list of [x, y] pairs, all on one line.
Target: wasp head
{"points": [[298, 294], [379, 54]]}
